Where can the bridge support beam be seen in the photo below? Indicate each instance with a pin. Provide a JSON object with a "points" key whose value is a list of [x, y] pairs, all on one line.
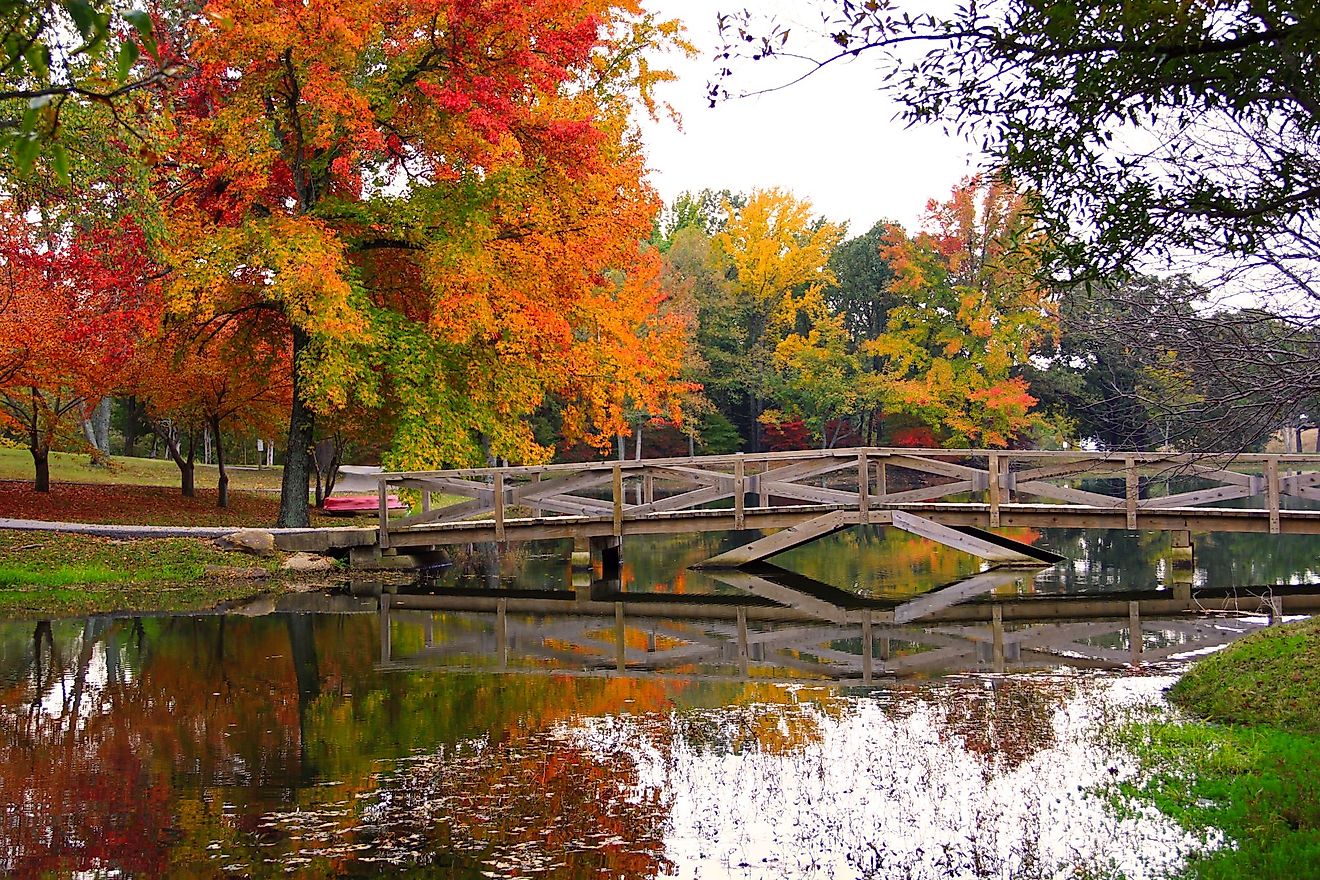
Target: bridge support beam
{"points": [[1183, 567]]}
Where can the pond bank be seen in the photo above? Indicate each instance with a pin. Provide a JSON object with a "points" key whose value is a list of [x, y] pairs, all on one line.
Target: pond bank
{"points": [[1245, 763], [45, 574]]}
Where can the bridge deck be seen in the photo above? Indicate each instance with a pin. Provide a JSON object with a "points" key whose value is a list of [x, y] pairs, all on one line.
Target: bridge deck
{"points": [[967, 487]]}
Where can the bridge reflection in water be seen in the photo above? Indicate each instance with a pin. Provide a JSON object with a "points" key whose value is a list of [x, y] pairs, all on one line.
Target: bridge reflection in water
{"points": [[784, 627]]}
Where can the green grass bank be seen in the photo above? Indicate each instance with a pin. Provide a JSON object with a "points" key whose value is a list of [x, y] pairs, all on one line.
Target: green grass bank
{"points": [[47, 574], [1248, 760]]}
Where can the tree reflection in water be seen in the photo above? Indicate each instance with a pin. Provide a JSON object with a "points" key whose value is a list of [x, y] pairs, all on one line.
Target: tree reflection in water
{"points": [[277, 746]]}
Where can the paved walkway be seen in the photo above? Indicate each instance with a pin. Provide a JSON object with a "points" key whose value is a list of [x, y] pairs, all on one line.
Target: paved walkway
{"points": [[317, 539]]}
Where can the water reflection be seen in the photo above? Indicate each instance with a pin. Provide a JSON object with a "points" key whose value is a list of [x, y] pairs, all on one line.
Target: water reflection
{"points": [[742, 648], [844, 718], [886, 563], [400, 742]]}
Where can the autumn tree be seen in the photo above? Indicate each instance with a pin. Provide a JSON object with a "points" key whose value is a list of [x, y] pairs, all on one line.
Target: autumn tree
{"points": [[218, 379], [772, 247], [970, 311], [1179, 138], [821, 378], [72, 309], [430, 200]]}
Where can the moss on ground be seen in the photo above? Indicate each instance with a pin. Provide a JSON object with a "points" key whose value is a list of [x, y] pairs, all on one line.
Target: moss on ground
{"points": [[1249, 764], [46, 574]]}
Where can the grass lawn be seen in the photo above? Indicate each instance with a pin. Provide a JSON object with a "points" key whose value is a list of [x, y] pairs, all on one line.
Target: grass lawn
{"points": [[44, 574], [69, 467], [1250, 762]]}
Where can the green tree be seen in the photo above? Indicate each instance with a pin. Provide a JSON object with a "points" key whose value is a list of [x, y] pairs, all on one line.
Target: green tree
{"points": [[860, 295], [773, 247], [821, 378]]}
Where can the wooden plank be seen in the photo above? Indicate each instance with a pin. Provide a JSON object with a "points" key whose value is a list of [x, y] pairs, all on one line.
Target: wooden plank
{"points": [[693, 476], [739, 494], [933, 466], [1070, 468], [1223, 476], [1054, 457], [617, 484], [499, 507], [864, 487], [1300, 485], [959, 541], [448, 514], [929, 493], [686, 499], [1200, 496], [992, 487], [786, 539], [811, 493], [1132, 489], [1272, 490], [881, 478], [576, 506], [1067, 493], [530, 492]]}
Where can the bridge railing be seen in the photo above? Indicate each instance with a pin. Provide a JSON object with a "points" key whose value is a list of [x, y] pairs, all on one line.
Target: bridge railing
{"points": [[864, 479]]}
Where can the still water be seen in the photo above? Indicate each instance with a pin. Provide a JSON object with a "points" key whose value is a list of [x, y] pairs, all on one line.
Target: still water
{"points": [[355, 739]]}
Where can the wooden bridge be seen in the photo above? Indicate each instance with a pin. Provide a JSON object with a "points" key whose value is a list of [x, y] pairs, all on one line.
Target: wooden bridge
{"points": [[944, 494]]}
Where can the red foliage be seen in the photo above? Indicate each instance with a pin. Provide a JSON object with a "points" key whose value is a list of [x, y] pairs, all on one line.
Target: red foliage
{"points": [[919, 437], [138, 505], [785, 436]]}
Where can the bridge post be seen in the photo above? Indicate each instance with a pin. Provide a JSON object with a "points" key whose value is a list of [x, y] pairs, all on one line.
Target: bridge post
{"points": [[1183, 565], [864, 487], [992, 486], [881, 479], [739, 491], [1132, 490], [383, 528], [618, 499], [499, 506], [1272, 490]]}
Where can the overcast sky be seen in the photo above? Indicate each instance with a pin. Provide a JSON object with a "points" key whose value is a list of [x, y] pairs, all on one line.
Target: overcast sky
{"points": [[830, 139]]}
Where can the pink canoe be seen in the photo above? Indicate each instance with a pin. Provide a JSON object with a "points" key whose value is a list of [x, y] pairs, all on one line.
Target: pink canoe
{"points": [[346, 505]]}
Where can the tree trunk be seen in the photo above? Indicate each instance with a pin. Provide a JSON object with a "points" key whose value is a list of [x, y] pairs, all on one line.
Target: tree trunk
{"points": [[187, 468], [41, 461], [294, 511], [222, 482], [638, 454]]}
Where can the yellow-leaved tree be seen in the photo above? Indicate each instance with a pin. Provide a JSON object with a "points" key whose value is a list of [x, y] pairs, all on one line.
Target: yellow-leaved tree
{"points": [[970, 312], [774, 247]]}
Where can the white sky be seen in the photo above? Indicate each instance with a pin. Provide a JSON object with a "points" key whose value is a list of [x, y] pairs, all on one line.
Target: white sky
{"points": [[830, 139]]}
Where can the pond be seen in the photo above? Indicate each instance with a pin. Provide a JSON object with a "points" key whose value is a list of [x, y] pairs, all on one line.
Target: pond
{"points": [[339, 735]]}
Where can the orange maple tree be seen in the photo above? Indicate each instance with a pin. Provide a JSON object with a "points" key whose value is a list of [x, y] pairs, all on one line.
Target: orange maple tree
{"points": [[441, 202]]}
